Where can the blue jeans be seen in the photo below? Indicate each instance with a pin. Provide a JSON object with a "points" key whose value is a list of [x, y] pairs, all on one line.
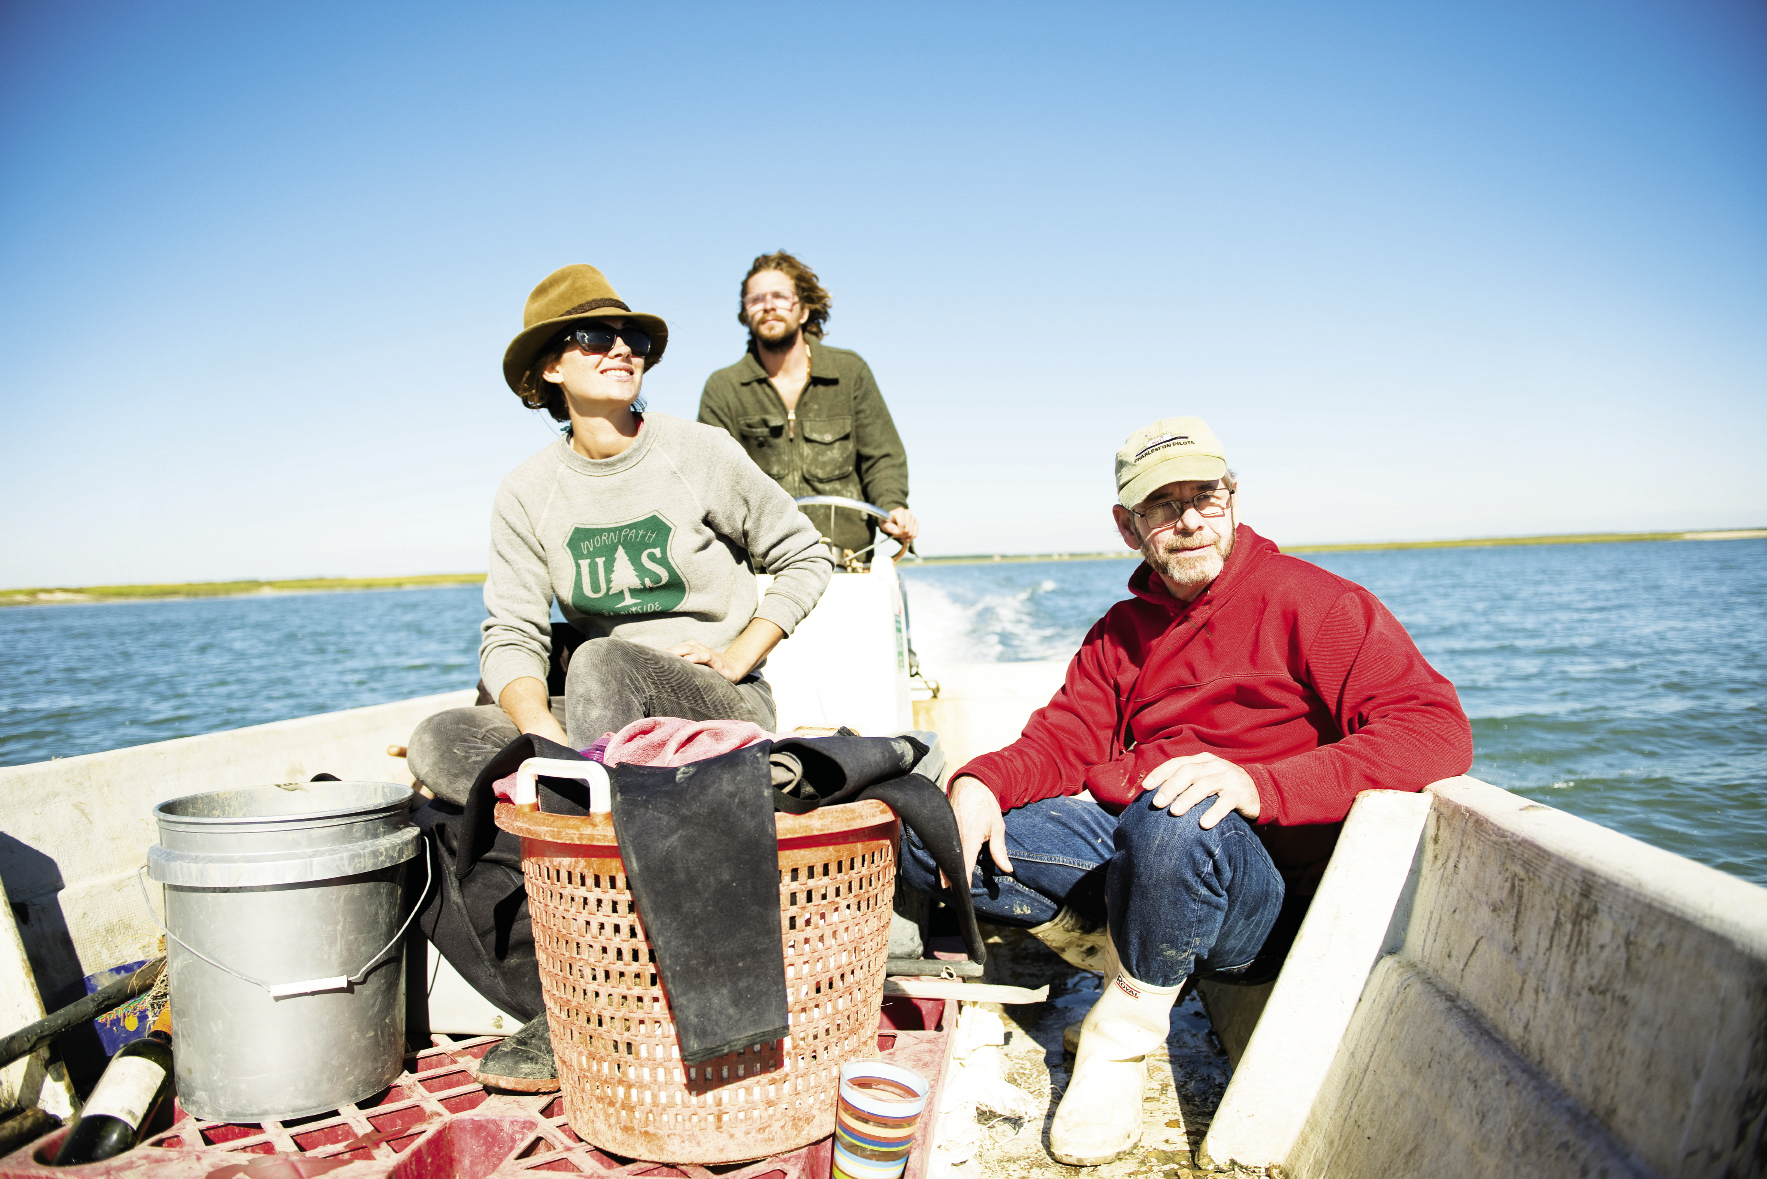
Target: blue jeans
{"points": [[1179, 899]]}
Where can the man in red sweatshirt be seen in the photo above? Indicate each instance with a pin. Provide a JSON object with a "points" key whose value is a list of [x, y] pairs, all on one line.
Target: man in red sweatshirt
{"points": [[1222, 721]]}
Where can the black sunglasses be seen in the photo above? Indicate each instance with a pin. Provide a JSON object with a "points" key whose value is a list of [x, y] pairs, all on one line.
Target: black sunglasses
{"points": [[601, 339]]}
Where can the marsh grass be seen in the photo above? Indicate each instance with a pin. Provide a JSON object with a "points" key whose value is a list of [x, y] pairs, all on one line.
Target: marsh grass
{"points": [[222, 589]]}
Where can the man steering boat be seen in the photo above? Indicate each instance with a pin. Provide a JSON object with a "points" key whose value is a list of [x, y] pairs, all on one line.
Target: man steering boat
{"points": [[810, 415]]}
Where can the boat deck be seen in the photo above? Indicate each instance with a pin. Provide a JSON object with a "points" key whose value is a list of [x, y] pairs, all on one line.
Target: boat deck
{"points": [[437, 1122], [1184, 1086]]}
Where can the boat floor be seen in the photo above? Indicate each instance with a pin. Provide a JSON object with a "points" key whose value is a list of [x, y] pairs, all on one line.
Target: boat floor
{"points": [[436, 1117], [436, 1122], [1183, 1090]]}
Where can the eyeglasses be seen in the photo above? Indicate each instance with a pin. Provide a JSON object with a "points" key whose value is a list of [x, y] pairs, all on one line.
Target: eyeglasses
{"points": [[784, 300], [1210, 505], [601, 339]]}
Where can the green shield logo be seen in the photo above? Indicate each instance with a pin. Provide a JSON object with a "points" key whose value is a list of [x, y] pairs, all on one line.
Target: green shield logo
{"points": [[625, 568]]}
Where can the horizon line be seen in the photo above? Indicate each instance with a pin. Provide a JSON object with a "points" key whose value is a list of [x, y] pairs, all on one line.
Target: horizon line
{"points": [[148, 591]]}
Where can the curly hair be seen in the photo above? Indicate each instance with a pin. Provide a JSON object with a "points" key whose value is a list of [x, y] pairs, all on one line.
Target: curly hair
{"points": [[815, 300], [537, 392]]}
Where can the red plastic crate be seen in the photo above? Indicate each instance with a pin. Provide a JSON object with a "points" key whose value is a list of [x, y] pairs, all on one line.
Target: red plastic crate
{"points": [[438, 1122]]}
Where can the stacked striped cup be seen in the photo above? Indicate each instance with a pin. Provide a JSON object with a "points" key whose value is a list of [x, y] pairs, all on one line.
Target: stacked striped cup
{"points": [[880, 1106]]}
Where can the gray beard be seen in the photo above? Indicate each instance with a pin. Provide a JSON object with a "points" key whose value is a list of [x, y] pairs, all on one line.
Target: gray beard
{"points": [[1189, 569]]}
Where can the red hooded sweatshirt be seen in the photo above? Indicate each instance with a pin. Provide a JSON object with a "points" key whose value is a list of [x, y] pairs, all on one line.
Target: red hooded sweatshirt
{"points": [[1297, 675]]}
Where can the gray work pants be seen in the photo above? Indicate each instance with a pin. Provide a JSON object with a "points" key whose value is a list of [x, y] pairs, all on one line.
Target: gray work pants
{"points": [[611, 683]]}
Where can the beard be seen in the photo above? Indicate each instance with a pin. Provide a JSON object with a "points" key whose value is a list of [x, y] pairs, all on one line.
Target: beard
{"points": [[1184, 564], [775, 335]]}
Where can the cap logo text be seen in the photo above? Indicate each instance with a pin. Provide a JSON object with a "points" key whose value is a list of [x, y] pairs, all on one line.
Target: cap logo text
{"points": [[1161, 443]]}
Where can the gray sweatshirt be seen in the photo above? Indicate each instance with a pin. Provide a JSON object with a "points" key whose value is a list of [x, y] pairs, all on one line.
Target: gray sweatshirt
{"points": [[657, 545]]}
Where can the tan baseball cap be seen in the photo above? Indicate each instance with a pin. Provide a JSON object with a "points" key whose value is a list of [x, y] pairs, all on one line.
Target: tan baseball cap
{"points": [[1171, 450]]}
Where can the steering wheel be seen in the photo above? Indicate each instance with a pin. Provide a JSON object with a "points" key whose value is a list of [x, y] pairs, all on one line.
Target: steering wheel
{"points": [[857, 505]]}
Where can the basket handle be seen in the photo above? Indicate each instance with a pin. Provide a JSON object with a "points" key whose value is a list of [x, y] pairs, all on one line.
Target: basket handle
{"points": [[527, 790]]}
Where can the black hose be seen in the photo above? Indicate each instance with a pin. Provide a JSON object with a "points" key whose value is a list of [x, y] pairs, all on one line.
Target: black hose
{"points": [[27, 1040], [25, 1127]]}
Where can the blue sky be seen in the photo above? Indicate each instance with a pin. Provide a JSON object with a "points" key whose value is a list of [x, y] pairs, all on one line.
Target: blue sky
{"points": [[1430, 270]]}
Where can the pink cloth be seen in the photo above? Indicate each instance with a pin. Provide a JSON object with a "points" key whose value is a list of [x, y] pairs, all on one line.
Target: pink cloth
{"points": [[671, 741], [504, 787], [662, 741]]}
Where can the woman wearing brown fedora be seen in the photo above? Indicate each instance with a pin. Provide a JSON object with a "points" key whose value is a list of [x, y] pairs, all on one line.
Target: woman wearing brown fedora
{"points": [[646, 530]]}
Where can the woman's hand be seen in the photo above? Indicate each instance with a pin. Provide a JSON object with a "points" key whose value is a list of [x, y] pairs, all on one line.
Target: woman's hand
{"points": [[525, 702], [718, 661], [739, 658]]}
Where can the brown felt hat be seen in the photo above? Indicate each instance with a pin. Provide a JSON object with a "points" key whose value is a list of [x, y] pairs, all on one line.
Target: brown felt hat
{"points": [[570, 295]]}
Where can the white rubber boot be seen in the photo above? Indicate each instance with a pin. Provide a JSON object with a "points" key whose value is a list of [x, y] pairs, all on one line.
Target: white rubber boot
{"points": [[1100, 1114], [1077, 944]]}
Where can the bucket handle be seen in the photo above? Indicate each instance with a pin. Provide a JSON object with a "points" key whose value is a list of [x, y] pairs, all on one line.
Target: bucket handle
{"points": [[527, 791], [312, 986]]}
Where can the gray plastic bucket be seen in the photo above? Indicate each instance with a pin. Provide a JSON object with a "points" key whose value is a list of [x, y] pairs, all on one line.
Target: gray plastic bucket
{"points": [[283, 918]]}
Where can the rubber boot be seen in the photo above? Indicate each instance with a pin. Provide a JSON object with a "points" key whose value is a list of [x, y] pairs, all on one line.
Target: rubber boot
{"points": [[1075, 940], [522, 1063], [1100, 1114], [1078, 943]]}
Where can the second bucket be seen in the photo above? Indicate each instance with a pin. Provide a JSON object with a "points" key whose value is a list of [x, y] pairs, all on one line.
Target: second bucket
{"points": [[283, 921]]}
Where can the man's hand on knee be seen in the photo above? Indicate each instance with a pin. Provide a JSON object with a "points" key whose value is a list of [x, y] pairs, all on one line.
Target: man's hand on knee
{"points": [[1185, 781], [979, 821]]}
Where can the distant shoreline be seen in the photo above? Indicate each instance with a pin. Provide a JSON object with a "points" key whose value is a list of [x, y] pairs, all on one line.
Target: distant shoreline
{"points": [[227, 589], [46, 596]]}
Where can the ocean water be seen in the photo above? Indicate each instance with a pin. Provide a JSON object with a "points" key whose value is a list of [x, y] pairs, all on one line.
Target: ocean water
{"points": [[1626, 683], [85, 677]]}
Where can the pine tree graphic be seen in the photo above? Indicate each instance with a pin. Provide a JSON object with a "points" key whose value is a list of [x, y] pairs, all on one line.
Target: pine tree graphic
{"points": [[624, 579]]}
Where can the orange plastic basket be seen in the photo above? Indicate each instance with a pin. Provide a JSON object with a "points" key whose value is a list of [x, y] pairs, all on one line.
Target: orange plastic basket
{"points": [[625, 1086]]}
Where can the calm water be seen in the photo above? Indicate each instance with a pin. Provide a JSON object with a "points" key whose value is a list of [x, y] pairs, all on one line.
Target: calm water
{"points": [[1626, 683], [83, 678]]}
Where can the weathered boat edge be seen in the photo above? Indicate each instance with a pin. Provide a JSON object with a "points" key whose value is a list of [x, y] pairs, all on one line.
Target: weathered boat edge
{"points": [[73, 830], [1529, 993]]}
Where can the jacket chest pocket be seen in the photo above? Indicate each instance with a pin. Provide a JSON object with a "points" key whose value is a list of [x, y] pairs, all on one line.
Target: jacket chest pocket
{"points": [[764, 439], [828, 447]]}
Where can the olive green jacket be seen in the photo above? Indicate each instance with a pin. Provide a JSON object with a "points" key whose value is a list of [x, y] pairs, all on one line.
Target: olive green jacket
{"points": [[839, 440]]}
